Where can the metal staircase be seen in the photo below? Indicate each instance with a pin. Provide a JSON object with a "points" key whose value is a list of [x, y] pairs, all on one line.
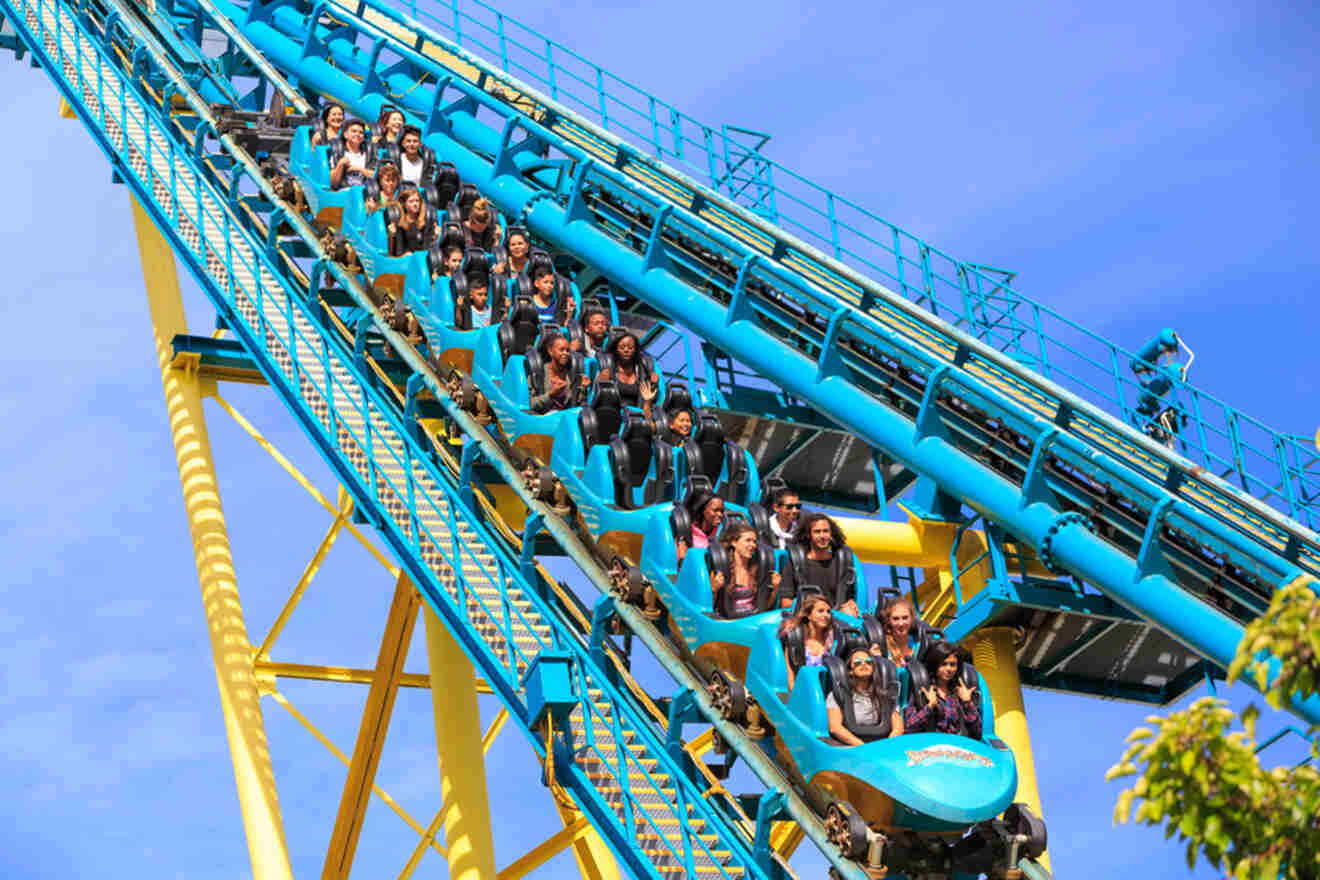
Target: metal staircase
{"points": [[477, 584]]}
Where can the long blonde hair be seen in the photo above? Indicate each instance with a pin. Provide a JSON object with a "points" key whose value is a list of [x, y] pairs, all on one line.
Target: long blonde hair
{"points": [[888, 627]]}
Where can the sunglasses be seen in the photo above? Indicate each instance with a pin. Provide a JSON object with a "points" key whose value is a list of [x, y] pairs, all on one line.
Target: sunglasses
{"points": [[862, 662], [791, 506]]}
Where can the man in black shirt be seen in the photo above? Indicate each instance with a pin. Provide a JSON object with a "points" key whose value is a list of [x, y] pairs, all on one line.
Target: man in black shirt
{"points": [[826, 562]]}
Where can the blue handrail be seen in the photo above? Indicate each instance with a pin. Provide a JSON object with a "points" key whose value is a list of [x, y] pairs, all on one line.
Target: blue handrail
{"points": [[1274, 466], [374, 452]]}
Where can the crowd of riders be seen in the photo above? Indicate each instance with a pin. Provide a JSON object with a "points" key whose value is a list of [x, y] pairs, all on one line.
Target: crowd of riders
{"points": [[776, 557]]}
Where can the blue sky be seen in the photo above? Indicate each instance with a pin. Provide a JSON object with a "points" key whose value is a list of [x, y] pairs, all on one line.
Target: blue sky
{"points": [[1140, 166]]}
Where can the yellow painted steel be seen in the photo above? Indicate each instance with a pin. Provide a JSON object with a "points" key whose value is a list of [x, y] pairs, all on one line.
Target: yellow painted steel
{"points": [[345, 511], [66, 110], [298, 477], [343, 759], [917, 543], [488, 738], [371, 733], [509, 505], [230, 648], [593, 856], [785, 837], [462, 765], [428, 839], [996, 659], [547, 849], [348, 675]]}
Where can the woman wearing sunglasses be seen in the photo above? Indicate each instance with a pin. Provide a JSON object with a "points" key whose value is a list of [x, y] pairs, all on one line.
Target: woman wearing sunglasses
{"points": [[869, 714]]}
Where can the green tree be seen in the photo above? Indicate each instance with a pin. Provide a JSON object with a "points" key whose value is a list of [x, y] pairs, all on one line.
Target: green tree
{"points": [[1203, 780]]}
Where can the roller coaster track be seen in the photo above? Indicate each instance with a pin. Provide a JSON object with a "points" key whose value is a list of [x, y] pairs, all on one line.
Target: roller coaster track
{"points": [[1149, 528], [616, 753], [1152, 530]]}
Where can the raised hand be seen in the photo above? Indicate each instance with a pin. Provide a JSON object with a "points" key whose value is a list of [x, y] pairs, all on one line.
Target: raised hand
{"points": [[964, 692], [929, 693]]}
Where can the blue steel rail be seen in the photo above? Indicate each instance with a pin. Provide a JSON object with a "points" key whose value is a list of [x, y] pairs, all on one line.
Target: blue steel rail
{"points": [[487, 595], [1277, 467], [1009, 443]]}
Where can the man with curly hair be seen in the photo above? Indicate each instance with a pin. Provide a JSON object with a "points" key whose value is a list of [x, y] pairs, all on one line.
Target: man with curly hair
{"points": [[824, 560]]}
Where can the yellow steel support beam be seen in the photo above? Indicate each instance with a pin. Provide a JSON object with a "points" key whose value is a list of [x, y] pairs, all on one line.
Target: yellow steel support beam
{"points": [[917, 543], [996, 658], [488, 738], [343, 759], [592, 854], [785, 837], [428, 839], [348, 675], [462, 764], [371, 734], [298, 477], [547, 849], [345, 507], [66, 110], [230, 648]]}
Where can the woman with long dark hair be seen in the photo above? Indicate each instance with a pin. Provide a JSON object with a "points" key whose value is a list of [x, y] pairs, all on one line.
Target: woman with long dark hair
{"points": [[331, 127], [814, 620], [946, 705], [388, 127], [707, 511], [637, 385], [872, 714], [745, 589]]}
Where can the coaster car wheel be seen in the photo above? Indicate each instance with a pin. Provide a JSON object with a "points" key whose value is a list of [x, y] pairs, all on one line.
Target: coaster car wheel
{"points": [[846, 829], [728, 696], [1020, 820]]}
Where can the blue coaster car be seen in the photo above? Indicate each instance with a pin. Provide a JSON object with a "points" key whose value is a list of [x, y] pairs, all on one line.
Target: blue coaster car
{"points": [[620, 474], [311, 165], [919, 782]]}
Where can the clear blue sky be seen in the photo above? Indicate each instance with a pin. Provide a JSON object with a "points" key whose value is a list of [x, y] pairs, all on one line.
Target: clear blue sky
{"points": [[1140, 165]]}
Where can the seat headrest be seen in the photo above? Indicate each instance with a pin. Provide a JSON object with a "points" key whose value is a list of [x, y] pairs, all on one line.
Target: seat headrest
{"points": [[475, 261], [606, 395], [708, 429], [466, 198], [538, 259], [451, 236], [524, 311], [676, 397], [695, 486], [548, 333], [635, 428], [760, 521]]}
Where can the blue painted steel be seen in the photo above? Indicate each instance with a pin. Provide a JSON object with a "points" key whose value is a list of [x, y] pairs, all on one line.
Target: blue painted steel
{"points": [[373, 452], [549, 685], [974, 297], [749, 649], [984, 376]]}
